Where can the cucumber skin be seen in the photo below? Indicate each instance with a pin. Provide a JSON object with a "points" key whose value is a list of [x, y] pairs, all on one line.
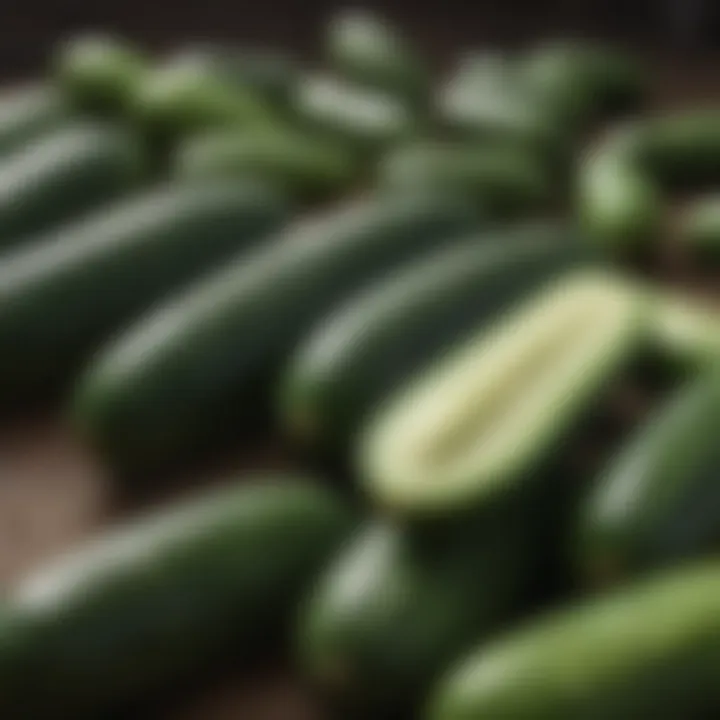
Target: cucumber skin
{"points": [[649, 649], [307, 167], [699, 227], [682, 149], [64, 293], [210, 354], [151, 603], [361, 352], [508, 181], [619, 204], [99, 74], [28, 112], [366, 49], [667, 477], [581, 83], [63, 175], [398, 604]]}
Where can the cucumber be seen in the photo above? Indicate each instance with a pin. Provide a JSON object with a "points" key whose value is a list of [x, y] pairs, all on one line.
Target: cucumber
{"points": [[268, 72], [685, 331], [475, 428], [153, 601], [99, 73], [682, 149], [67, 291], [308, 167], [699, 226], [581, 82], [365, 119], [206, 355], [486, 103], [64, 174], [27, 112], [507, 181], [366, 48], [397, 606], [186, 94], [647, 650], [618, 204], [364, 350], [658, 502]]}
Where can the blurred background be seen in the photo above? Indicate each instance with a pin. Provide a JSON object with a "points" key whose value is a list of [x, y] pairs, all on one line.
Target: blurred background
{"points": [[672, 28]]}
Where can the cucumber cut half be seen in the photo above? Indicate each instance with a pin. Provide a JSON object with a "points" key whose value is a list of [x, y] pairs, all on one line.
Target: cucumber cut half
{"points": [[486, 416]]}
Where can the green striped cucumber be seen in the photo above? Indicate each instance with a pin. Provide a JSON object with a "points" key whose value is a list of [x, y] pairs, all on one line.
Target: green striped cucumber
{"points": [[152, 601], [27, 112], [66, 291], [649, 649], [396, 606], [64, 174], [367, 347], [307, 166], [657, 503], [210, 354], [475, 428], [99, 73], [507, 181], [366, 48]]}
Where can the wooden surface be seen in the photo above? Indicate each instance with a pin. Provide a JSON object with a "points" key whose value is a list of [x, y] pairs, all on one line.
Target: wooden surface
{"points": [[53, 494]]}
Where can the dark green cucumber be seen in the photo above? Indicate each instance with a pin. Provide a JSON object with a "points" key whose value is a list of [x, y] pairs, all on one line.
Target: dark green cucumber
{"points": [[209, 354], [366, 48], [648, 650], [99, 73], [305, 165], [699, 227], [658, 501], [685, 331], [475, 428], [64, 174], [68, 290], [484, 101], [507, 181], [188, 93], [268, 72], [151, 602], [618, 203], [27, 112], [396, 606], [364, 350], [365, 118], [682, 149], [578, 83]]}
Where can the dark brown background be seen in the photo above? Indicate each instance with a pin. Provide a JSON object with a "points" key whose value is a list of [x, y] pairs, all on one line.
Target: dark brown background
{"points": [[51, 495]]}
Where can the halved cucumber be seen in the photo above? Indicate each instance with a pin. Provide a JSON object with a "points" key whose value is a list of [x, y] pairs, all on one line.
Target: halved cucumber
{"points": [[477, 425], [658, 502], [363, 351]]}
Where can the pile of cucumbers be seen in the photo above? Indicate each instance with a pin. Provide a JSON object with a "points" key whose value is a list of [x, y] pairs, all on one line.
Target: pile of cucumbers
{"points": [[419, 280]]}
